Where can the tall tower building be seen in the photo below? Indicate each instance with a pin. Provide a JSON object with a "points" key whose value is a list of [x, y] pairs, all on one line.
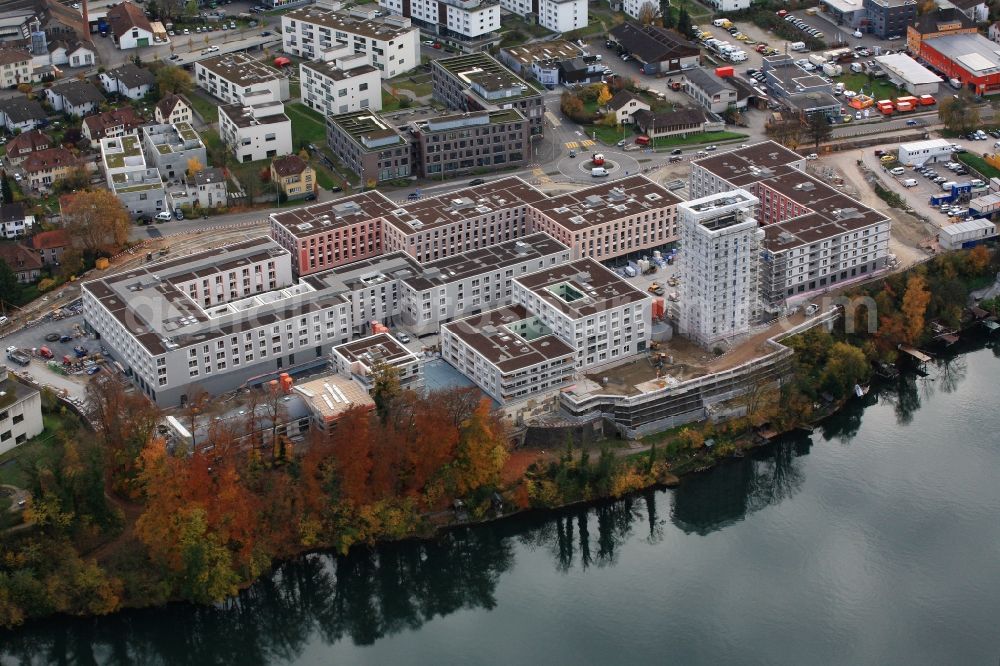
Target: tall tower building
{"points": [[720, 249]]}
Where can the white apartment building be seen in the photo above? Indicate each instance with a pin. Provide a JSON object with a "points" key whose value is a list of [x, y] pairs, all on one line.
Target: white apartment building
{"points": [[603, 317], [20, 413], [15, 67], [474, 281], [344, 85], [721, 241], [634, 7], [816, 236], [555, 15], [463, 19], [236, 78], [508, 353], [391, 44], [357, 359], [257, 132], [214, 319]]}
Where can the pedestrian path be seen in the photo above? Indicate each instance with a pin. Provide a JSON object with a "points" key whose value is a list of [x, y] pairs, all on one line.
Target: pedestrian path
{"points": [[585, 143], [540, 177]]}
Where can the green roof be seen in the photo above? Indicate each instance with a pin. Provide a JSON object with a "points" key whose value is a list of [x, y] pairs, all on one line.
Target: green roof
{"points": [[488, 71]]}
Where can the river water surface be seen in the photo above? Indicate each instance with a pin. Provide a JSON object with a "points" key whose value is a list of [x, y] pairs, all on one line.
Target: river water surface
{"points": [[875, 540]]}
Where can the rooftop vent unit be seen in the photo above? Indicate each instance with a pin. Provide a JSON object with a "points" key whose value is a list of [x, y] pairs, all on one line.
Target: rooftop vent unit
{"points": [[807, 186], [785, 237], [653, 196], [593, 200], [616, 194], [577, 219]]}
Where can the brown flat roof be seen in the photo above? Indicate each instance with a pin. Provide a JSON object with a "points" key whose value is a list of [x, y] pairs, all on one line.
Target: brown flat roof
{"points": [[596, 288], [606, 202], [463, 204], [768, 164], [484, 260], [352, 209], [487, 334]]}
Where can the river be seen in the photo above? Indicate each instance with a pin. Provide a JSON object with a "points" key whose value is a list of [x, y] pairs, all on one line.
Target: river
{"points": [[875, 540]]}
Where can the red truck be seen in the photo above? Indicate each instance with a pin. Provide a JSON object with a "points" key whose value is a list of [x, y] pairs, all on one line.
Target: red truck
{"points": [[45, 352]]}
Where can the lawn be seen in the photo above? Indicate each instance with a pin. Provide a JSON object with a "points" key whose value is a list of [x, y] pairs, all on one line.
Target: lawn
{"points": [[877, 88], [205, 107], [389, 102], [14, 462], [612, 135], [979, 164], [420, 84], [307, 125]]}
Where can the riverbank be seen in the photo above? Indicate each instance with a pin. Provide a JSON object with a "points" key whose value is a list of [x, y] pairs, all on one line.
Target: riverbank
{"points": [[203, 526]]}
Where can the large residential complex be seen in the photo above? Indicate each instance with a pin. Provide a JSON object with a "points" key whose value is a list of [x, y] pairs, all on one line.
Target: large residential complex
{"points": [[391, 44], [611, 219], [477, 82], [564, 318], [721, 241], [816, 236], [453, 145], [236, 78]]}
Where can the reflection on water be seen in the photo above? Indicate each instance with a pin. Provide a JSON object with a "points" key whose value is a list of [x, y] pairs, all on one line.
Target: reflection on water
{"points": [[320, 599]]}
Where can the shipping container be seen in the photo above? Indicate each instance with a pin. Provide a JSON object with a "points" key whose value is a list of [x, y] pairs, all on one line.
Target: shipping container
{"points": [[904, 107], [724, 72], [927, 100], [938, 199]]}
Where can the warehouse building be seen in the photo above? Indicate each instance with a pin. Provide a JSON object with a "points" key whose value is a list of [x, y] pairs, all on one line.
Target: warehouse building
{"points": [[907, 72], [970, 58]]}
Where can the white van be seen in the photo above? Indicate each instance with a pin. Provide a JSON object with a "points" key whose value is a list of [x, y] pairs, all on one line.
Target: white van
{"points": [[898, 171], [164, 216], [910, 182], [975, 182], [797, 46], [857, 68], [597, 172]]}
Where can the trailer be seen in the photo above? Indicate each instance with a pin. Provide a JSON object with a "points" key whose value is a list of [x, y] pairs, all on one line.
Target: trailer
{"points": [[938, 199], [832, 69], [927, 100], [817, 59], [886, 107], [904, 107], [985, 206]]}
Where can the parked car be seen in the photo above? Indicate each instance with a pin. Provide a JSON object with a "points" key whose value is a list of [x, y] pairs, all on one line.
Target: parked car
{"points": [[476, 181], [402, 337]]}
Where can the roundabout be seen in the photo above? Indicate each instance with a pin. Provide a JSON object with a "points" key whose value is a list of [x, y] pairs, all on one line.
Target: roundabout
{"points": [[616, 165]]}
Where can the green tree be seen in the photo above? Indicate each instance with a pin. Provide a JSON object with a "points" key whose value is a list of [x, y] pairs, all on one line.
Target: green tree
{"points": [[959, 113], [6, 191], [385, 388], [818, 129], [173, 80], [684, 22], [846, 366], [10, 288], [666, 13]]}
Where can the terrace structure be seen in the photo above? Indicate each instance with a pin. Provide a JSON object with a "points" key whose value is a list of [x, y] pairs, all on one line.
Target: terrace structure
{"points": [[171, 148], [257, 132]]}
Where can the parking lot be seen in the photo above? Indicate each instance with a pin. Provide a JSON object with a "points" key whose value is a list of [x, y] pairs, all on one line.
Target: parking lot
{"points": [[918, 196]]}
